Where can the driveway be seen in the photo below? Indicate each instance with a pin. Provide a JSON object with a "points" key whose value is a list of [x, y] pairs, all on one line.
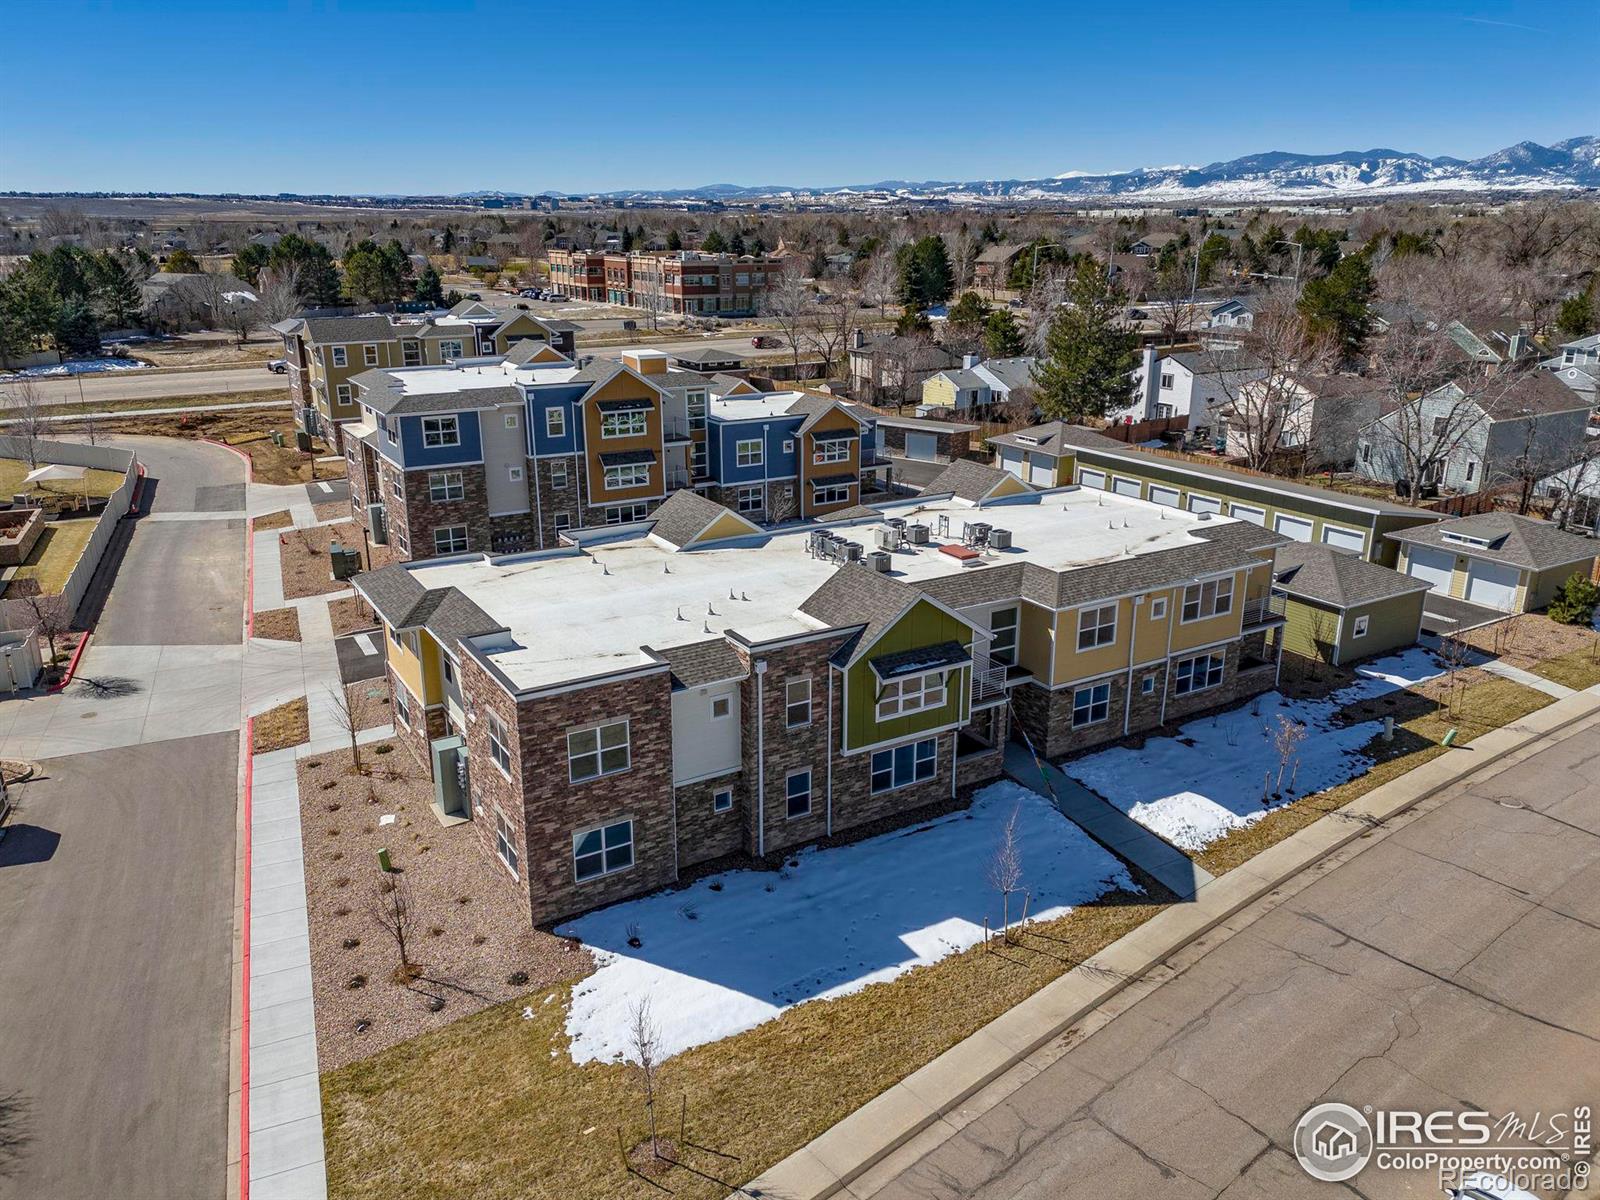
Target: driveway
{"points": [[1452, 964], [116, 881]]}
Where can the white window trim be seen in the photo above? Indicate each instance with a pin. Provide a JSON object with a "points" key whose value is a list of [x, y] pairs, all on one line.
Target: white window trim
{"points": [[629, 475], [920, 700], [1207, 656], [1360, 626], [555, 422], [788, 796], [632, 843], [1158, 609], [443, 428], [624, 425], [1099, 643], [1200, 601], [722, 800], [915, 760], [835, 451], [1090, 690], [727, 701], [790, 704], [560, 477], [369, 355], [599, 750], [340, 357], [499, 738], [503, 835], [458, 487], [742, 458], [466, 540]]}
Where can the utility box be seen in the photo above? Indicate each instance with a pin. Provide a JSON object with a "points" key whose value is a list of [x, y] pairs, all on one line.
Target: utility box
{"points": [[345, 561], [302, 441]]}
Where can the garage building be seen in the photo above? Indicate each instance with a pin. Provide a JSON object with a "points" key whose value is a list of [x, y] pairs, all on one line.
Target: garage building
{"points": [[1339, 608]]}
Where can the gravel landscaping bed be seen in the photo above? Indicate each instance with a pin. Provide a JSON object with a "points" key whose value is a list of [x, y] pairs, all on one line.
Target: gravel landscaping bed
{"points": [[304, 552], [331, 510], [275, 520], [278, 624], [350, 614], [370, 703], [471, 939]]}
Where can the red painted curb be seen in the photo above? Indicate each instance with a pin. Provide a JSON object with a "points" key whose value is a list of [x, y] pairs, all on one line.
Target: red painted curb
{"points": [[72, 663], [249, 578], [138, 489], [248, 743], [249, 465]]}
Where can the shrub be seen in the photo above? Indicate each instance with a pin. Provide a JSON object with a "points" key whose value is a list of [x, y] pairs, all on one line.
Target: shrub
{"points": [[1574, 603]]}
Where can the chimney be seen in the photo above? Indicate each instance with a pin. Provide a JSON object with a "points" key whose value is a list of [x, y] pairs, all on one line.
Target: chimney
{"points": [[858, 339], [1151, 366], [968, 361]]}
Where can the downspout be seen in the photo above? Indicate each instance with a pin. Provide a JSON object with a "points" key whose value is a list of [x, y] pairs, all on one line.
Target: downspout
{"points": [[828, 741], [538, 484], [761, 761], [1166, 666], [1133, 638]]}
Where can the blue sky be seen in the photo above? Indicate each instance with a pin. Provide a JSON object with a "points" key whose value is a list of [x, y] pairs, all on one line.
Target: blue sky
{"points": [[455, 95]]}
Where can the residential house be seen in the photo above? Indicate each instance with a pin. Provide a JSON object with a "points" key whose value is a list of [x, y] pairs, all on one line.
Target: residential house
{"points": [[978, 384], [1506, 428], [889, 368], [992, 268], [690, 689], [1493, 345], [177, 302], [1151, 244], [1186, 383], [916, 449], [1480, 567], [325, 354], [1340, 608], [1056, 454], [1577, 364], [707, 360], [1317, 416]]}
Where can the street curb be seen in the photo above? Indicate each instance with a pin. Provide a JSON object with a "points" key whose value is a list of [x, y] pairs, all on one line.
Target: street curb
{"points": [[72, 664], [247, 746], [842, 1154], [249, 464]]}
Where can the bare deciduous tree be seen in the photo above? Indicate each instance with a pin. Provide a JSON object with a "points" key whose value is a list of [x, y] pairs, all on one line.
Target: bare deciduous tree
{"points": [[279, 295], [393, 910], [1286, 739], [1005, 872], [644, 1048], [788, 304], [832, 320], [1264, 379], [348, 713], [1172, 301], [32, 419], [878, 280], [49, 617]]}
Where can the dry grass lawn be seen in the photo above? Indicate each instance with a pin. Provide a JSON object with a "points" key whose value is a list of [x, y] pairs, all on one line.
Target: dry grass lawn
{"points": [[281, 727], [1566, 654], [1475, 704], [44, 572], [276, 520], [350, 614], [98, 484], [73, 414], [207, 352], [1576, 669], [247, 430], [278, 624], [526, 1122]]}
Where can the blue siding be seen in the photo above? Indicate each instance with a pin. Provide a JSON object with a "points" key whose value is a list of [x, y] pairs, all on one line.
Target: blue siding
{"points": [[540, 399], [417, 455], [723, 454]]}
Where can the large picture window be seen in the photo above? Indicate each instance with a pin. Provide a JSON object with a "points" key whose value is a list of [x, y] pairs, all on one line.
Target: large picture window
{"points": [[1199, 673], [441, 431], [915, 694], [602, 851], [598, 750], [623, 424], [836, 451], [915, 762], [748, 453], [1097, 626], [629, 475], [1213, 598]]}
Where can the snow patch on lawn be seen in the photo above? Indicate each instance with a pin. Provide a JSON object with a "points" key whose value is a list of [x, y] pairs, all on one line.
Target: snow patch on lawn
{"points": [[841, 919], [1196, 787], [77, 366]]}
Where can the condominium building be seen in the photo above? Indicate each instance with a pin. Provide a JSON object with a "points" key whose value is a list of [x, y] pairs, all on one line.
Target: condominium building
{"points": [[651, 697], [325, 354], [509, 453], [682, 281]]}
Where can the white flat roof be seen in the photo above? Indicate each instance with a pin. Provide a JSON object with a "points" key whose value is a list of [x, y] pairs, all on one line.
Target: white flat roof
{"points": [[439, 380], [753, 407], [578, 615]]}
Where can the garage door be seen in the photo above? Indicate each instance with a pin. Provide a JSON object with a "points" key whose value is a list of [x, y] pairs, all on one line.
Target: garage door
{"points": [[1297, 528], [1433, 567], [1344, 539], [1164, 495], [1493, 584], [1249, 512], [1092, 479], [1204, 504], [924, 447], [1042, 470], [1125, 487]]}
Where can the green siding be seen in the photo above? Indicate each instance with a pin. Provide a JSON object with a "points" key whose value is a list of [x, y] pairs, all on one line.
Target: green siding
{"points": [[924, 624], [1309, 630], [1314, 630], [1543, 585]]}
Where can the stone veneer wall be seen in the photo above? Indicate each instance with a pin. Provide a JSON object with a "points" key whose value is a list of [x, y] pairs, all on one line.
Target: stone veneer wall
{"points": [[782, 499], [704, 834], [424, 515]]}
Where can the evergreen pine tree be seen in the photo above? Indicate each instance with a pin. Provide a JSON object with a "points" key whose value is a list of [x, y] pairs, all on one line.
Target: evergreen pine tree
{"points": [[1336, 305], [1002, 338], [430, 288], [1089, 353]]}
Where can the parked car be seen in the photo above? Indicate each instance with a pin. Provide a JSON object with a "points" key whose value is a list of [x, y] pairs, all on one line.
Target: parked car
{"points": [[766, 341], [556, 298], [474, 296], [529, 293], [278, 366]]}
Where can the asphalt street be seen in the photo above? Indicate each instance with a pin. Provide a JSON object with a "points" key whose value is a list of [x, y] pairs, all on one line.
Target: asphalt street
{"points": [[1451, 964], [153, 384], [116, 891]]}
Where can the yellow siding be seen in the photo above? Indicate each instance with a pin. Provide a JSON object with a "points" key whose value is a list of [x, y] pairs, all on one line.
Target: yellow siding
{"points": [[1072, 663], [1009, 486], [729, 525], [1150, 634], [1210, 629], [1036, 641]]}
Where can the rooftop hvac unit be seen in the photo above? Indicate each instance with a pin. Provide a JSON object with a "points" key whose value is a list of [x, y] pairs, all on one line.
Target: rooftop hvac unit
{"points": [[895, 522], [975, 533], [879, 560], [850, 552], [999, 539], [887, 537], [917, 533]]}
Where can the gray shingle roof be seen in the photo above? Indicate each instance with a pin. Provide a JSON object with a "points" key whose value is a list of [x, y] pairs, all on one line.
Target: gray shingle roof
{"points": [[702, 663], [966, 480], [1517, 541], [684, 515], [1056, 437], [525, 349], [384, 391], [706, 354], [1338, 577], [322, 331], [858, 595], [1226, 545], [404, 603]]}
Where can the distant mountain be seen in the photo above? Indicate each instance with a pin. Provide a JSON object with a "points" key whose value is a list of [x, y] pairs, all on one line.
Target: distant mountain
{"points": [[1274, 175]]}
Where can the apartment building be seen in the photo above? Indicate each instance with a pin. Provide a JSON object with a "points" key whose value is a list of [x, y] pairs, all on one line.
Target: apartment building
{"points": [[690, 688], [325, 354], [1056, 454], [681, 281], [509, 453]]}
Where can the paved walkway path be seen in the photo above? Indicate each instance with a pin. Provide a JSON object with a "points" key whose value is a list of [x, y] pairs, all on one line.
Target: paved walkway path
{"points": [[1526, 678], [1108, 825]]}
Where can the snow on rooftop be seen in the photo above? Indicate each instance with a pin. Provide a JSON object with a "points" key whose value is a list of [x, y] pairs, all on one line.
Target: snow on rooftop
{"points": [[631, 591]]}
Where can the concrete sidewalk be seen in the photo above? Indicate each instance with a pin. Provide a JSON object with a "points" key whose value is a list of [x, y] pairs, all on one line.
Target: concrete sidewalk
{"points": [[930, 1103], [1109, 825]]}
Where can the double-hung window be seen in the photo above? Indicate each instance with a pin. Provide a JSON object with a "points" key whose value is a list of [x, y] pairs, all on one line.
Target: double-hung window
{"points": [[555, 422], [602, 850], [627, 476], [914, 694], [748, 452], [343, 393], [499, 744], [450, 539], [598, 750], [369, 356], [441, 431], [341, 357], [1091, 705], [797, 702], [445, 485], [1097, 626], [750, 500], [1003, 637], [797, 793], [449, 349], [1198, 673], [558, 475], [695, 403], [505, 844], [1213, 598], [623, 424], [915, 762]]}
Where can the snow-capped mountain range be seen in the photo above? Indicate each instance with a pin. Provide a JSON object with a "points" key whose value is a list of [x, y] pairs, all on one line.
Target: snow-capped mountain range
{"points": [[1275, 175]]}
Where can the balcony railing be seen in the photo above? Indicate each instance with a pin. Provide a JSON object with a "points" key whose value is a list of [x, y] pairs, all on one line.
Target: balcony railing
{"points": [[677, 477], [988, 679], [1265, 611], [871, 458], [674, 430]]}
